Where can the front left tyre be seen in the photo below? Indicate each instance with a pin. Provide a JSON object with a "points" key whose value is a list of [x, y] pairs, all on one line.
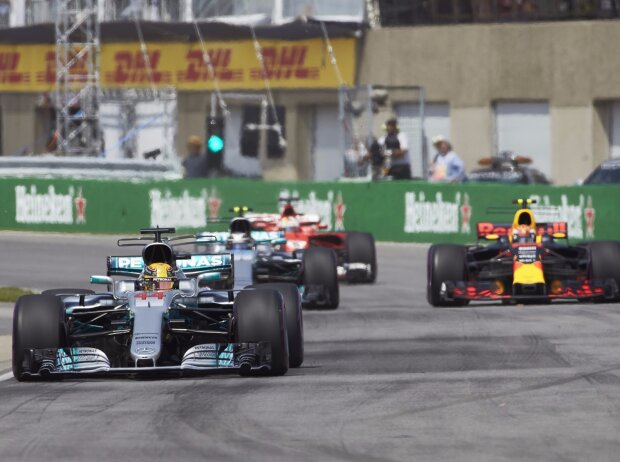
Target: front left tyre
{"points": [[259, 317], [605, 262], [294, 319], [38, 322]]}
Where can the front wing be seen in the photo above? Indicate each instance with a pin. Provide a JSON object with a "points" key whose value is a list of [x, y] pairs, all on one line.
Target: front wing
{"points": [[200, 359], [568, 290]]}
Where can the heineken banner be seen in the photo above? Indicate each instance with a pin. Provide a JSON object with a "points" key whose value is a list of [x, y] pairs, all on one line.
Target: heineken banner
{"points": [[396, 211]]}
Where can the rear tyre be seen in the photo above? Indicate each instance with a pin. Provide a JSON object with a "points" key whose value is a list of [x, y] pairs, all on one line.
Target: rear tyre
{"points": [[605, 261], [361, 249], [259, 317], [68, 292], [38, 322], [446, 262], [320, 268]]}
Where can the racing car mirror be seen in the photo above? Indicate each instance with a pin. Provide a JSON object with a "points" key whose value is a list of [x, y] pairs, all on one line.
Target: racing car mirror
{"points": [[103, 280]]}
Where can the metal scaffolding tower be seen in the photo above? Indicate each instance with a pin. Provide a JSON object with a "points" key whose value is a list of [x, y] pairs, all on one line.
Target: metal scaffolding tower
{"points": [[77, 78]]}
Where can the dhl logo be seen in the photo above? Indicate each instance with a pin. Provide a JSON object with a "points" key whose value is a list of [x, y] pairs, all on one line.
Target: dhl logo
{"points": [[9, 62], [131, 67], [285, 63], [78, 67], [197, 71]]}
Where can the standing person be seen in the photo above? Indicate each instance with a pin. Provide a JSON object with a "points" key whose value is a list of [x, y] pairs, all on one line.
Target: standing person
{"points": [[396, 151], [195, 162], [447, 166]]}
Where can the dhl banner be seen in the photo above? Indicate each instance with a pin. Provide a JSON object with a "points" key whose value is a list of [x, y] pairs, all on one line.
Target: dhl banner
{"points": [[288, 64]]}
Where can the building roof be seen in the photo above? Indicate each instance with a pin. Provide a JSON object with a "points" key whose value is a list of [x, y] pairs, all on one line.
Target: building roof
{"points": [[125, 31]]}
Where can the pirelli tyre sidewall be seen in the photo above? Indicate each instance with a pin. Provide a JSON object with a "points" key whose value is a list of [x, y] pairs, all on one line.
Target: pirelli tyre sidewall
{"points": [[361, 248], [605, 261], [259, 317], [38, 322], [320, 268], [294, 320], [446, 262]]}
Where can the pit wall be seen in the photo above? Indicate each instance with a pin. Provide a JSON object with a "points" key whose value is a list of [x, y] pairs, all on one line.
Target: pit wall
{"points": [[392, 211]]}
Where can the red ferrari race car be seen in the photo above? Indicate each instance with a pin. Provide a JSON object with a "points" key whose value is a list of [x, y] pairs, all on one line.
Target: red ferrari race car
{"points": [[356, 253], [524, 261]]}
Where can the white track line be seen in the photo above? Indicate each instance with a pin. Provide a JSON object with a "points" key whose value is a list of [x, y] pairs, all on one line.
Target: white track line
{"points": [[6, 376]]}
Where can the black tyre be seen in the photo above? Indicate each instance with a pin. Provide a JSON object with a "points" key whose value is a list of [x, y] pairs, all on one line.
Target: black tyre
{"points": [[320, 268], [294, 320], [38, 322], [446, 262], [259, 317], [361, 249], [68, 292], [605, 261]]}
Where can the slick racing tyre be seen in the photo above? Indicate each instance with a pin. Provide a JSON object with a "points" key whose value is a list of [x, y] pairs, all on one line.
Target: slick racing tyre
{"points": [[58, 292], [361, 249], [38, 322], [259, 317], [446, 262], [320, 270], [294, 320], [605, 261]]}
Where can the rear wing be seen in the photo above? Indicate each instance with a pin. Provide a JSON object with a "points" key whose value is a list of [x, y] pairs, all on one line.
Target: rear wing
{"points": [[197, 264], [485, 229]]}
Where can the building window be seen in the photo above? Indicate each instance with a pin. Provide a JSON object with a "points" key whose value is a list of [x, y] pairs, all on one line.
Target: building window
{"points": [[525, 128]]}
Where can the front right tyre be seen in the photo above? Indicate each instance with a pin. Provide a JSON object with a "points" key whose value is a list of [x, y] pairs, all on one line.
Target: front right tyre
{"points": [[445, 262]]}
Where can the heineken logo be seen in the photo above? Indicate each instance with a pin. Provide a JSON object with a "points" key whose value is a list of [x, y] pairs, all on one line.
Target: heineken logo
{"points": [[49, 207], [436, 214], [580, 216], [180, 211]]}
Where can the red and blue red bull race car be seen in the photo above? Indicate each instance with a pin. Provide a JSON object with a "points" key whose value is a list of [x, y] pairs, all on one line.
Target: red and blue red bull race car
{"points": [[524, 261]]}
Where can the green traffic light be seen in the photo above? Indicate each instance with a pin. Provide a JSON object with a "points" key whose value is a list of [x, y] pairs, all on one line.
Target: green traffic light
{"points": [[215, 144]]}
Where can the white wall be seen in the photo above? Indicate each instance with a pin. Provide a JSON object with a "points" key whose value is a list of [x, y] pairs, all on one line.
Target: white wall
{"points": [[524, 128]]}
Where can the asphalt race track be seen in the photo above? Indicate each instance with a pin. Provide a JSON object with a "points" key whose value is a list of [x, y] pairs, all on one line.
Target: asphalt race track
{"points": [[386, 378]]}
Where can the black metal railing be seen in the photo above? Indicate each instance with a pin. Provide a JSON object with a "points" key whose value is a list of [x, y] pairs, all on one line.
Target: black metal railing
{"points": [[414, 12]]}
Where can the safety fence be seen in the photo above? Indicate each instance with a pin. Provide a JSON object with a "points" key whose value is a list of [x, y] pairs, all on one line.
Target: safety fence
{"points": [[393, 211]]}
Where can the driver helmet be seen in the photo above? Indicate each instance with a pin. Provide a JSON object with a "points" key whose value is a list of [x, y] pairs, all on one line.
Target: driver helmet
{"points": [[159, 277], [289, 222], [523, 234]]}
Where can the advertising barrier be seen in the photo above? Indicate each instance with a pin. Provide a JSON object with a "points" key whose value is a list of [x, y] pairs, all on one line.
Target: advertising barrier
{"points": [[392, 211]]}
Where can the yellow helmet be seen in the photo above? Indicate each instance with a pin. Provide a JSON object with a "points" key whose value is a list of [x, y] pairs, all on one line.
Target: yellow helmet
{"points": [[159, 276]]}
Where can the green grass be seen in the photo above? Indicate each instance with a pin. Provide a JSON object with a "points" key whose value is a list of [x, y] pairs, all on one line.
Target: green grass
{"points": [[10, 294]]}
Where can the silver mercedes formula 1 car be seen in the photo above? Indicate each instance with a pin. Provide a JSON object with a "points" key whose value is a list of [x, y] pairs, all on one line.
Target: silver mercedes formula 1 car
{"points": [[162, 321]]}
